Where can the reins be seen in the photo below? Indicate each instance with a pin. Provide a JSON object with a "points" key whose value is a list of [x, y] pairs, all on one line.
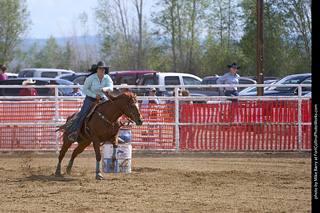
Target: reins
{"points": [[117, 108]]}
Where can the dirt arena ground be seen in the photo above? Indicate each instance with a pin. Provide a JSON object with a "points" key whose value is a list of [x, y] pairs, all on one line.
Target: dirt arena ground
{"points": [[159, 182]]}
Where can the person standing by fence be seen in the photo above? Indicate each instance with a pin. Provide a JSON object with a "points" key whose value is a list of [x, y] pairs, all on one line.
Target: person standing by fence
{"points": [[28, 91], [150, 107], [3, 76], [75, 91], [230, 78]]}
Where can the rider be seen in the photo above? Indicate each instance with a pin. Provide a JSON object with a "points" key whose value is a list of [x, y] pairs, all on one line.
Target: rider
{"points": [[95, 84]]}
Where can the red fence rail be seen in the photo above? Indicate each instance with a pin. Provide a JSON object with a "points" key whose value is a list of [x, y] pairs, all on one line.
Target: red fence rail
{"points": [[245, 125]]}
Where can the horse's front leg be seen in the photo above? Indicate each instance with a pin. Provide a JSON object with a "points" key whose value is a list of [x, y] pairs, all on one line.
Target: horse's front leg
{"points": [[112, 164], [96, 146]]}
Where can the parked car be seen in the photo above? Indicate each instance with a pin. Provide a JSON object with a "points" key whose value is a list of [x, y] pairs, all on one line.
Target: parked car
{"points": [[42, 73], [170, 79], [254, 89], [131, 77], [285, 91], [212, 80], [74, 77], [11, 75], [39, 81]]}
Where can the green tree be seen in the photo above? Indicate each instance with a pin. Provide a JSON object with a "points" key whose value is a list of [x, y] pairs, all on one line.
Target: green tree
{"points": [[117, 33], [285, 52], [50, 56], [14, 25], [221, 42], [179, 27]]}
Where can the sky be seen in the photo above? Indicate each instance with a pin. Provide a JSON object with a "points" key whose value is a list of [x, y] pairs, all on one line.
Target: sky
{"points": [[59, 18]]}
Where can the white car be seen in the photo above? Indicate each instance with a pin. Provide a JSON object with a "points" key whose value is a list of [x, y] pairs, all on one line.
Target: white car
{"points": [[167, 78], [42, 73]]}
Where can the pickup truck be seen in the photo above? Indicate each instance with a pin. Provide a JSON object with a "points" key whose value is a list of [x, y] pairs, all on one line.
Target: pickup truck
{"points": [[165, 79]]}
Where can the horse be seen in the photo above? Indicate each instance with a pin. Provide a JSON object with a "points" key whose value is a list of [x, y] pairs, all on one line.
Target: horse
{"points": [[102, 126]]}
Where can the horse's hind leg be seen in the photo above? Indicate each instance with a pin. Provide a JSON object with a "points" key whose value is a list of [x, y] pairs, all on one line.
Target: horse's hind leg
{"points": [[66, 145], [96, 146], [79, 149]]}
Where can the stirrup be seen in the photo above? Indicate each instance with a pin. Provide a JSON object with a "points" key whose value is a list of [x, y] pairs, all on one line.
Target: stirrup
{"points": [[73, 137]]}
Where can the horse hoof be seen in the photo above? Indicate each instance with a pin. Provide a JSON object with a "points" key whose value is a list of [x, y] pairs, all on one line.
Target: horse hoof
{"points": [[99, 176], [68, 170], [112, 165], [57, 174]]}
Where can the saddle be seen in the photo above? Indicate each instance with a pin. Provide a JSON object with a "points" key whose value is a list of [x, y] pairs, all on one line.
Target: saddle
{"points": [[71, 119]]}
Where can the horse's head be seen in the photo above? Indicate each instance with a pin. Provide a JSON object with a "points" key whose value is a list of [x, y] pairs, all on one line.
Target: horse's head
{"points": [[132, 110]]}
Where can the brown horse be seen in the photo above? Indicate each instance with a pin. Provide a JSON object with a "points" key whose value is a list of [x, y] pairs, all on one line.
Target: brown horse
{"points": [[103, 126]]}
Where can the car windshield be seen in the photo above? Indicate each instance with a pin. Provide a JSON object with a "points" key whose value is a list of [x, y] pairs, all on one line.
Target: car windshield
{"points": [[191, 81], [26, 73], [289, 80], [66, 90], [66, 77]]}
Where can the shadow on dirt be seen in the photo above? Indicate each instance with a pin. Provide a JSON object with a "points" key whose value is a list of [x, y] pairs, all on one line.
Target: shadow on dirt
{"points": [[45, 178]]}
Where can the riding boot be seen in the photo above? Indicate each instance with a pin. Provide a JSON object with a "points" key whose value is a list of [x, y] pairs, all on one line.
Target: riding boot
{"points": [[73, 137]]}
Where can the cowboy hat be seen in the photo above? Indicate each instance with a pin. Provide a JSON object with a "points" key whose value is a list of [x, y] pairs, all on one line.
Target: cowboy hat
{"points": [[233, 65], [101, 64], [28, 81]]}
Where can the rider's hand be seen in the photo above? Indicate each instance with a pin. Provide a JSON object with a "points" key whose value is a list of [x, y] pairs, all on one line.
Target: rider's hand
{"points": [[98, 97]]}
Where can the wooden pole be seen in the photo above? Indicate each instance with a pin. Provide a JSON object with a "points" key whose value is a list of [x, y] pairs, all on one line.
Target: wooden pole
{"points": [[260, 47]]}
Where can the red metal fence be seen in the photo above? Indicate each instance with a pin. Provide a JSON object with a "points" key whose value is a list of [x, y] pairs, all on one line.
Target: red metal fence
{"points": [[244, 125]]}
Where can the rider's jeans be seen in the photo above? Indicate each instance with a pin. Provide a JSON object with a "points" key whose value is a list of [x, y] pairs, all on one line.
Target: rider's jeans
{"points": [[83, 112]]}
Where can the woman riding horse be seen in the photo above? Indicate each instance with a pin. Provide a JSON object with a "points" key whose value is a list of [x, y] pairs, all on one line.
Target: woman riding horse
{"points": [[95, 84], [101, 126]]}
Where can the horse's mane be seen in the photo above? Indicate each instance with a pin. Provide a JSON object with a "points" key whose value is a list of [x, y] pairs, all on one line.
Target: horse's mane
{"points": [[124, 95]]}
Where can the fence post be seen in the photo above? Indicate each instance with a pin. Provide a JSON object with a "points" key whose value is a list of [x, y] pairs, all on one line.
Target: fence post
{"points": [[299, 117], [56, 116], [176, 105]]}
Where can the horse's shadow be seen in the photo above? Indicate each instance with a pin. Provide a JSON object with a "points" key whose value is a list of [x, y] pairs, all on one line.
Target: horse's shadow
{"points": [[52, 177]]}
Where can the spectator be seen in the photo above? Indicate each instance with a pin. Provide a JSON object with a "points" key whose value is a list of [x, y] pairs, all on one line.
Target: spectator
{"points": [[230, 78], [115, 91], [124, 90], [186, 93], [150, 107], [152, 92], [28, 91], [52, 89], [75, 92], [174, 94], [3, 68]]}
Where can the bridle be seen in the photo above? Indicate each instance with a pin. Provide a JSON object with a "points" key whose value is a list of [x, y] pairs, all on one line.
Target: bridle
{"points": [[122, 113]]}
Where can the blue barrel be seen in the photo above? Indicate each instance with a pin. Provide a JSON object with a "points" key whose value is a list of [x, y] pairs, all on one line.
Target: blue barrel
{"points": [[123, 162], [125, 134]]}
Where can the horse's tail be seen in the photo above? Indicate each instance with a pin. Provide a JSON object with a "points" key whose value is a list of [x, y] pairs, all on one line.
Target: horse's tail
{"points": [[68, 123]]}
